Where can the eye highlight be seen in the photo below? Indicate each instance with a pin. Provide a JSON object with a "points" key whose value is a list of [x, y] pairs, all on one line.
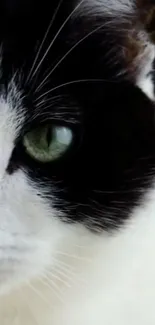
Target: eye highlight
{"points": [[47, 143]]}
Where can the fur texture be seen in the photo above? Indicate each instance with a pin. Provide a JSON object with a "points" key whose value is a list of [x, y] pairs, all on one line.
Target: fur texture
{"points": [[77, 234]]}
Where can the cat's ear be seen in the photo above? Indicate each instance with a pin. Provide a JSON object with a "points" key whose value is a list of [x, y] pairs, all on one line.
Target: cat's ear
{"points": [[140, 46], [131, 26]]}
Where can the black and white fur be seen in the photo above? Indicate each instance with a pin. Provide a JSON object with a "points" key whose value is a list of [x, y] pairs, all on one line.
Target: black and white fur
{"points": [[77, 236]]}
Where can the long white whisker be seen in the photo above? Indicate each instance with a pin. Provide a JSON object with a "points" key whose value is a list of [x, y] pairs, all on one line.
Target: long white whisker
{"points": [[64, 57], [14, 75], [65, 271], [70, 83], [70, 275], [43, 101], [56, 36], [51, 274], [74, 256], [62, 266], [52, 287], [68, 266], [43, 41]]}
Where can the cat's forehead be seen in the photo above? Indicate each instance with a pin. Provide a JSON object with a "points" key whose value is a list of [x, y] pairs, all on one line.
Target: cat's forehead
{"points": [[26, 7], [28, 19], [32, 9]]}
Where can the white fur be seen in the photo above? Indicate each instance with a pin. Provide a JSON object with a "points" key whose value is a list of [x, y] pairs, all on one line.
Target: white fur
{"points": [[145, 83]]}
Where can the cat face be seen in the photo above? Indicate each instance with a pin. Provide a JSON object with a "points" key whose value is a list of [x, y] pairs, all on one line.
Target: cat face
{"points": [[77, 134]]}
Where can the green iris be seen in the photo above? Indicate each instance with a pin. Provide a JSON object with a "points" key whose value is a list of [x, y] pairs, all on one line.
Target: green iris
{"points": [[47, 143]]}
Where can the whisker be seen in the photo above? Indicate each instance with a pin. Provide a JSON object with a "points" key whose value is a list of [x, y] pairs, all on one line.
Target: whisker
{"points": [[50, 273], [70, 275], [64, 110], [52, 287], [15, 74], [43, 41], [64, 267], [47, 100], [66, 271], [65, 56], [63, 273], [68, 266], [73, 256], [70, 83], [56, 36]]}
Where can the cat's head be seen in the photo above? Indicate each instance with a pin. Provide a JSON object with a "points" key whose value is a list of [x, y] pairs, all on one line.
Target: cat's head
{"points": [[77, 128]]}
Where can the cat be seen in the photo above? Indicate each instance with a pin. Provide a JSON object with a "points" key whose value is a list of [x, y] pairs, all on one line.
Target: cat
{"points": [[77, 162]]}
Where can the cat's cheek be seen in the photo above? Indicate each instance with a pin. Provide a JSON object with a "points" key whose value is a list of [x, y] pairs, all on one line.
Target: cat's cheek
{"points": [[30, 232]]}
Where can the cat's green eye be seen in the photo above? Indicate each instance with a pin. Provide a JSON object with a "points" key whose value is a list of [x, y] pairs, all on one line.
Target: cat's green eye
{"points": [[47, 143]]}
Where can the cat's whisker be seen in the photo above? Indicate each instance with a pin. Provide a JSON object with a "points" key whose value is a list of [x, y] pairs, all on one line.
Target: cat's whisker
{"points": [[70, 83], [56, 118], [52, 286], [14, 76], [47, 100], [65, 264], [76, 257], [62, 266], [30, 75], [58, 115], [66, 55], [56, 277], [56, 36], [42, 106], [47, 106], [68, 272], [63, 273]]}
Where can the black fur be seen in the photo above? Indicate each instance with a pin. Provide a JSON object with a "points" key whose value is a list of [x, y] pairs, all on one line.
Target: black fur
{"points": [[112, 159]]}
